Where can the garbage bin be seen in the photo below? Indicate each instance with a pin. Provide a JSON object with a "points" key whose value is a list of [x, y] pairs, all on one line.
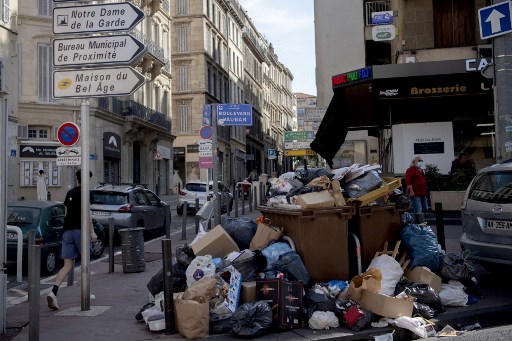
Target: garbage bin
{"points": [[320, 237], [132, 249], [374, 225]]}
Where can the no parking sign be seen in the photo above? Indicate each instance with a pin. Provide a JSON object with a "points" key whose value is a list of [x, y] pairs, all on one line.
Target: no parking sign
{"points": [[68, 133]]}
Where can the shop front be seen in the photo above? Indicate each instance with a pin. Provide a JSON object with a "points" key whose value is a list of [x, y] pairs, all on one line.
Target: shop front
{"points": [[111, 157]]}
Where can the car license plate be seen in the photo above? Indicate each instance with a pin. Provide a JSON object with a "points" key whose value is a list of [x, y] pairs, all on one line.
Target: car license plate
{"points": [[100, 213], [499, 224]]}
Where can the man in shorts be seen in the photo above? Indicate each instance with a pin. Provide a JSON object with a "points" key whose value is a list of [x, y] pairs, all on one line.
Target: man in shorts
{"points": [[71, 238]]}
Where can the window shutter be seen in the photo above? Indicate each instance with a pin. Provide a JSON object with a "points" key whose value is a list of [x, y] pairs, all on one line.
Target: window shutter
{"points": [[22, 131], [5, 13], [55, 133], [2, 82]]}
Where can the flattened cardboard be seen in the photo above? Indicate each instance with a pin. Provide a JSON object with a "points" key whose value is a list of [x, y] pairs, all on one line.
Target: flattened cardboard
{"points": [[322, 199], [285, 298], [421, 274], [217, 243], [386, 306]]}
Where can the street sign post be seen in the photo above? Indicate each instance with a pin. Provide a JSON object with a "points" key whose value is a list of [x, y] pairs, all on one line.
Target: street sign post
{"points": [[299, 136], [495, 20], [122, 16], [299, 152], [68, 134], [102, 50], [100, 82], [234, 114], [297, 145]]}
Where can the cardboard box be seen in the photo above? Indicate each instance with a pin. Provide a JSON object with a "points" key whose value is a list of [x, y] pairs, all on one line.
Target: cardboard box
{"points": [[336, 193], [422, 274], [320, 199], [231, 302], [269, 290], [248, 292], [217, 243], [285, 298], [386, 306]]}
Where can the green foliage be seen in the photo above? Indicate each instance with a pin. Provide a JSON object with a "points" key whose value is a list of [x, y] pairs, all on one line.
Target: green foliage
{"points": [[441, 182]]}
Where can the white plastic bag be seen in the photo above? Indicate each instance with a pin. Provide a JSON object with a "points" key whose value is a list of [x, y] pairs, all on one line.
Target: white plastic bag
{"points": [[417, 325], [201, 266], [200, 234], [323, 320], [391, 273], [453, 294]]}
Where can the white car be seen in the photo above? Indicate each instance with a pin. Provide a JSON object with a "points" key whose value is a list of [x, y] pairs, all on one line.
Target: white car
{"points": [[197, 189]]}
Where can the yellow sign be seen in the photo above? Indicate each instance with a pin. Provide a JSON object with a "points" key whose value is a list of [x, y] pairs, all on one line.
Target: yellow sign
{"points": [[299, 152]]}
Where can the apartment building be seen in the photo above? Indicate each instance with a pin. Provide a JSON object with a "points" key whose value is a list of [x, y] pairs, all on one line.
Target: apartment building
{"points": [[220, 57], [130, 137], [418, 90]]}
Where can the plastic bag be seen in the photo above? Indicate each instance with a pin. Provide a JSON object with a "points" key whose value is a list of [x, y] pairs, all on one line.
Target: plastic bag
{"points": [[428, 303], [179, 283], [453, 294], [200, 234], [306, 175], [302, 190], [323, 320], [273, 251], [184, 254], [421, 244], [221, 326], [391, 273], [246, 265], [201, 266], [242, 230], [292, 266], [252, 319], [454, 267], [318, 302], [363, 184]]}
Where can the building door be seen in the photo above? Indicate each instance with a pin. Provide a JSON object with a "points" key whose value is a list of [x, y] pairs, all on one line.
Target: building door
{"points": [[136, 162]]}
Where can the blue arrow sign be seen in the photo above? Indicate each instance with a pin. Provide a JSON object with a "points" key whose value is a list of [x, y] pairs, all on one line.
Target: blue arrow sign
{"points": [[495, 20]]}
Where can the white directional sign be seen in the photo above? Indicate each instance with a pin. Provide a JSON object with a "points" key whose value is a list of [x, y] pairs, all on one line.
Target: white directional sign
{"points": [[121, 16], [100, 82], [102, 50], [297, 145]]}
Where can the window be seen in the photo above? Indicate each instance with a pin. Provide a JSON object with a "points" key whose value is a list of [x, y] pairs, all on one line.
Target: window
{"points": [[165, 43], [181, 7], [29, 170], [44, 72], [183, 78], [165, 103], [183, 118], [208, 8], [2, 81], [45, 7], [492, 187], [209, 42], [5, 14], [183, 32], [37, 133], [454, 23]]}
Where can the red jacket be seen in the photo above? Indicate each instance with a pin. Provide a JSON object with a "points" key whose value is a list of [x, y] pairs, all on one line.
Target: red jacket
{"points": [[416, 177]]}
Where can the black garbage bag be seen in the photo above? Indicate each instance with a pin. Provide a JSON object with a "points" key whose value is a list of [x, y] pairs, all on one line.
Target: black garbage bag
{"points": [[247, 265], [302, 190], [252, 319], [318, 302], [179, 283], [306, 175], [221, 326], [428, 302], [242, 230], [400, 200], [291, 265], [457, 268], [421, 244], [184, 254]]}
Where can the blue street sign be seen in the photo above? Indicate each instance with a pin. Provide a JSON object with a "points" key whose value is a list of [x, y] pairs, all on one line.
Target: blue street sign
{"points": [[495, 20], [271, 153], [385, 17], [234, 114], [207, 115]]}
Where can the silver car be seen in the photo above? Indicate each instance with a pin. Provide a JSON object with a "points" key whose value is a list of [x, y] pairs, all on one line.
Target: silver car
{"points": [[197, 189], [129, 206], [487, 216]]}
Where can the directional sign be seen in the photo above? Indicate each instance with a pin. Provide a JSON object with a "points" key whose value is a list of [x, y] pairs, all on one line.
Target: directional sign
{"points": [[121, 16], [206, 132], [68, 133], [495, 20], [101, 82], [299, 135], [297, 145], [69, 151], [299, 152], [103, 50], [234, 114]]}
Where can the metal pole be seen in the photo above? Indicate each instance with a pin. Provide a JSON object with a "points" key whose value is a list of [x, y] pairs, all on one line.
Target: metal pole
{"points": [[236, 198], [249, 198], [209, 220], [168, 282], [254, 191], [197, 218], [215, 176], [34, 288], [31, 241], [262, 193], [440, 225], [243, 200], [111, 244], [3, 208], [184, 221], [168, 224], [86, 213]]}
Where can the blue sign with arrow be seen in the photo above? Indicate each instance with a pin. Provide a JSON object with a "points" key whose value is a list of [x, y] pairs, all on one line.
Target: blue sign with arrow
{"points": [[495, 20]]}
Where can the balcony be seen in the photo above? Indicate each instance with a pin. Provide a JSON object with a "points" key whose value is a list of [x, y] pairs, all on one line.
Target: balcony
{"points": [[133, 108], [158, 60], [375, 6]]}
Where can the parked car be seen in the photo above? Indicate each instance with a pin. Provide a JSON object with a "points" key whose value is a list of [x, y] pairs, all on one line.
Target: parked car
{"points": [[129, 206], [197, 189], [487, 217], [47, 219]]}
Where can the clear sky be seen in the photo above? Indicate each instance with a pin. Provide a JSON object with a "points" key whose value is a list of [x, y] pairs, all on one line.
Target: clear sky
{"points": [[289, 26]]}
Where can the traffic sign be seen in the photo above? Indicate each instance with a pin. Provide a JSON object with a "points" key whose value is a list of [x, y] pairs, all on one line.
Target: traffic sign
{"points": [[69, 151], [68, 161], [205, 148], [297, 145], [271, 153], [122, 16], [299, 135], [100, 82], [206, 132], [379, 18], [495, 20], [234, 114], [299, 152], [102, 50], [68, 134]]}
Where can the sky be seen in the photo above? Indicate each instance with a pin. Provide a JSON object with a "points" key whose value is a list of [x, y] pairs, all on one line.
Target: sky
{"points": [[289, 26]]}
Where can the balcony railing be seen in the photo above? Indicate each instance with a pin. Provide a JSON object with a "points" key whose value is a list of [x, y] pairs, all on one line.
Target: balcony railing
{"points": [[133, 108], [153, 47], [375, 6], [166, 6]]}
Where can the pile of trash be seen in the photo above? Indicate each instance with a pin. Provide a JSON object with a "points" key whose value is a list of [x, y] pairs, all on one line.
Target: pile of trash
{"points": [[246, 279]]}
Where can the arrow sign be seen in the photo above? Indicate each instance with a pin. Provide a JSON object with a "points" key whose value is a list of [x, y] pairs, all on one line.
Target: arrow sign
{"points": [[101, 82], [495, 20], [120, 49], [121, 16]]}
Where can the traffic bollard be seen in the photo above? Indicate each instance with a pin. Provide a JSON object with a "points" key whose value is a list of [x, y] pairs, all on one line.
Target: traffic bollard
{"points": [[184, 226], [31, 241], [34, 291], [209, 220], [243, 201], [236, 203], [440, 224], [168, 223], [197, 218], [170, 328], [111, 233], [249, 198]]}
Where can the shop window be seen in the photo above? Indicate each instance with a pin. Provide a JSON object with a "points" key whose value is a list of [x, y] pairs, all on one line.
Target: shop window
{"points": [[30, 169], [454, 23]]}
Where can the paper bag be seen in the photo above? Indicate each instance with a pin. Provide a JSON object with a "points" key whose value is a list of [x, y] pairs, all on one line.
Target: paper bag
{"points": [[264, 234], [369, 280], [202, 290], [321, 181], [193, 319]]}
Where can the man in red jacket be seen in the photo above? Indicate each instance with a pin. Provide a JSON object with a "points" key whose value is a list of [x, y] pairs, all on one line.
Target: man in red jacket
{"points": [[417, 185]]}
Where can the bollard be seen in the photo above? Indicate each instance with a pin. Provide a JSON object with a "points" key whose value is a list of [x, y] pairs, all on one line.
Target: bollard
{"points": [[243, 202], [236, 204], [170, 328], [184, 225], [48, 196], [111, 233], [440, 225], [34, 291], [31, 241], [249, 198], [197, 218], [262, 193], [209, 220]]}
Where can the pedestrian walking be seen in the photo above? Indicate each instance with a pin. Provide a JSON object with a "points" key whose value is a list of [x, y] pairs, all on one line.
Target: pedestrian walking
{"points": [[71, 237], [41, 185], [416, 183]]}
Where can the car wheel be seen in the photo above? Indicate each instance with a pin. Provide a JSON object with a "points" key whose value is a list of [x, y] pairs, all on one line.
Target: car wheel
{"points": [[49, 262], [179, 210], [97, 248]]}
